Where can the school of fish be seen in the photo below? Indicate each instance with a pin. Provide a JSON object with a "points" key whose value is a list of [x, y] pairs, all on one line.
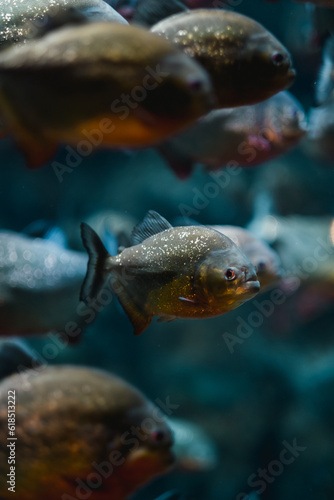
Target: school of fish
{"points": [[197, 84]]}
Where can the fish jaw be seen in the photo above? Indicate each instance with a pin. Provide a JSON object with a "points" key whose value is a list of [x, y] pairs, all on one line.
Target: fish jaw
{"points": [[142, 464], [290, 78], [248, 288]]}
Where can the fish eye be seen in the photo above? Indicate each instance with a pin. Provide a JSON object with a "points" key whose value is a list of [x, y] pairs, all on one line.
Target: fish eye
{"points": [[195, 85], [265, 135], [230, 275], [261, 267], [157, 436], [278, 58]]}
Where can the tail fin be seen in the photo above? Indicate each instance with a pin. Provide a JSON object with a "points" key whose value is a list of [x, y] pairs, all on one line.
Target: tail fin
{"points": [[95, 276]]}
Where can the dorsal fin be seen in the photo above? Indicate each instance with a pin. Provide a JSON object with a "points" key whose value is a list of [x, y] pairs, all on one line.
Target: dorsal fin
{"points": [[153, 223]]}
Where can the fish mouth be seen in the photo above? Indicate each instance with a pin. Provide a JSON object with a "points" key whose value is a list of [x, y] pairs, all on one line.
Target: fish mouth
{"points": [[290, 77], [252, 286], [165, 458]]}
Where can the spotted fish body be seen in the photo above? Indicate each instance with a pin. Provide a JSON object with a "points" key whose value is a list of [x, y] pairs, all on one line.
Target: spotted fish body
{"points": [[76, 424], [183, 272], [22, 20], [247, 64]]}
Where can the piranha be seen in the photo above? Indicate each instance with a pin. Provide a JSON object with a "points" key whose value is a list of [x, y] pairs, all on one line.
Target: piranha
{"points": [[182, 272], [99, 84], [81, 433], [246, 63], [265, 260], [39, 286], [248, 135], [22, 20]]}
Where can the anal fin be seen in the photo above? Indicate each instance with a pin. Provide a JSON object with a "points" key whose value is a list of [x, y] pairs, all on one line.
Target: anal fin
{"points": [[35, 148], [36, 153], [139, 318], [181, 165]]}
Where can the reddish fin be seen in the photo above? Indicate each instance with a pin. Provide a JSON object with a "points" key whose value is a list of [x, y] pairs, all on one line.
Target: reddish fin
{"points": [[36, 150], [36, 154], [182, 166], [3, 131]]}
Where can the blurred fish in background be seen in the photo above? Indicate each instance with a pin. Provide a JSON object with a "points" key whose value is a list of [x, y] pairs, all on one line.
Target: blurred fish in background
{"points": [[245, 136], [246, 63], [39, 286], [76, 429], [306, 248], [319, 141], [184, 93]]}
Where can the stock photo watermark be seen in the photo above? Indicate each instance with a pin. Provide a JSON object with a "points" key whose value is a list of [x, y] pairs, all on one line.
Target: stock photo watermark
{"points": [[264, 477]]}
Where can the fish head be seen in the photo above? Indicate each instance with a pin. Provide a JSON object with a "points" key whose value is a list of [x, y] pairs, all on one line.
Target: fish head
{"points": [[146, 443], [227, 275], [183, 89], [268, 64], [267, 266], [288, 118]]}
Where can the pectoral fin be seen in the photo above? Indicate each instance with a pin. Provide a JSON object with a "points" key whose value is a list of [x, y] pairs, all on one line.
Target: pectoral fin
{"points": [[167, 319], [189, 301], [36, 153]]}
